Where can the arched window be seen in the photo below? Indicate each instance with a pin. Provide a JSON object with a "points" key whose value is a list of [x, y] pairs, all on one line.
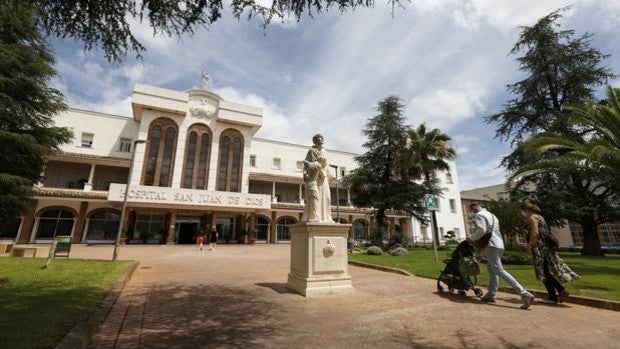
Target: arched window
{"points": [[55, 223], [231, 161], [196, 168], [103, 225], [282, 228], [262, 225], [159, 158], [360, 230]]}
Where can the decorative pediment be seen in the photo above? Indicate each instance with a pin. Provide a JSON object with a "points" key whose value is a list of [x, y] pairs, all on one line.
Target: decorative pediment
{"points": [[202, 109]]}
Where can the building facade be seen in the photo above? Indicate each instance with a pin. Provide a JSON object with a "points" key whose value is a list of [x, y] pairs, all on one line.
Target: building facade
{"points": [[196, 165]]}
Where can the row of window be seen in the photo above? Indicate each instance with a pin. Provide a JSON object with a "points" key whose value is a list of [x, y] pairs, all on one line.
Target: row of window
{"points": [[88, 139], [299, 165]]}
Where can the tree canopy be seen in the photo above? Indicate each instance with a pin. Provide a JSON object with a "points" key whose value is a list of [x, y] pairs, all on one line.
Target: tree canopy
{"points": [[399, 165], [108, 24], [27, 107], [561, 69]]}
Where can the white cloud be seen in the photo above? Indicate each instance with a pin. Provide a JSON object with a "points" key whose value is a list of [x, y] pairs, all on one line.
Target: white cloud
{"points": [[480, 173], [444, 108]]}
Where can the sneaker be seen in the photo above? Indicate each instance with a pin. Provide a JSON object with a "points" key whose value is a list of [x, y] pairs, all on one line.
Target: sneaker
{"points": [[563, 296], [488, 299], [527, 300]]}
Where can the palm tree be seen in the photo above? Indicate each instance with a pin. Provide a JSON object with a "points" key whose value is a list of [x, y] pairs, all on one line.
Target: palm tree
{"points": [[590, 154], [594, 150], [426, 153]]}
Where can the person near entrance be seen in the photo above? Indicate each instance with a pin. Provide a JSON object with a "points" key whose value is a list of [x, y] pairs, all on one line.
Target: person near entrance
{"points": [[200, 238], [213, 239]]}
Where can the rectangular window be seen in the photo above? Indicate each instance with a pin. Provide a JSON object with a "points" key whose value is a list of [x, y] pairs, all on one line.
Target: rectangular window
{"points": [[125, 145], [343, 171], [452, 206], [277, 163], [87, 139], [252, 160], [449, 178], [300, 166]]}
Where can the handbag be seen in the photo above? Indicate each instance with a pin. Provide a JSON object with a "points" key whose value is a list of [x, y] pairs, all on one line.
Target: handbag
{"points": [[551, 241], [483, 242]]}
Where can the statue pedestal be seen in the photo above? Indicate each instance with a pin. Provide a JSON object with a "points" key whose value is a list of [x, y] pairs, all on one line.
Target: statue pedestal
{"points": [[319, 258]]}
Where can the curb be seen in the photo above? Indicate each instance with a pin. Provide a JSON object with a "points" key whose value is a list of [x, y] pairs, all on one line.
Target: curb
{"points": [[580, 300], [381, 268], [80, 334]]}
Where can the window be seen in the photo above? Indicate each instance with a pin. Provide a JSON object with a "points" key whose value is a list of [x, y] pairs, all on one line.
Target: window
{"points": [[343, 171], [87, 140], [252, 160], [457, 232], [262, 225], [449, 178], [197, 153], [125, 145], [149, 227], [438, 204], [360, 230], [424, 232], [55, 223], [441, 233], [283, 230], [300, 166], [277, 163], [103, 225], [230, 170], [452, 206], [159, 158]]}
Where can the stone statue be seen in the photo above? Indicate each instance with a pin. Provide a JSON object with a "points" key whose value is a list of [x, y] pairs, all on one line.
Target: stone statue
{"points": [[204, 81], [316, 177]]}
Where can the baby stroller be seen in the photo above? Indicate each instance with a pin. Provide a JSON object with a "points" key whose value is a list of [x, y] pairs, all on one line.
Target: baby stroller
{"points": [[459, 270]]}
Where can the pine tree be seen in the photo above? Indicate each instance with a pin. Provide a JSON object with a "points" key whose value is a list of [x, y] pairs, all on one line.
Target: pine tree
{"points": [[27, 107], [379, 181]]}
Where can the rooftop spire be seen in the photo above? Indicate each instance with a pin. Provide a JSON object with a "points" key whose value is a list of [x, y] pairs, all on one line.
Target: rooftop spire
{"points": [[204, 80]]}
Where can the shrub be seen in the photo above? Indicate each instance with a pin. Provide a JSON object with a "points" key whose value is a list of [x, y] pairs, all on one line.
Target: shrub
{"points": [[516, 258], [397, 240], [376, 237], [399, 251], [374, 250]]}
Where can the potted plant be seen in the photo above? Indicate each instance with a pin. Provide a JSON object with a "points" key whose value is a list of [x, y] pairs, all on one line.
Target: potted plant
{"points": [[252, 236]]}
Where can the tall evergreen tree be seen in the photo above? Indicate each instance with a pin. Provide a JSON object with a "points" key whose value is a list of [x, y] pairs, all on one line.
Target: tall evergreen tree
{"points": [[27, 106], [561, 69], [379, 181]]}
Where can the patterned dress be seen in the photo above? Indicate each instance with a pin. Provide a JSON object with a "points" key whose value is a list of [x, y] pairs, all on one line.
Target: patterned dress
{"points": [[543, 253]]}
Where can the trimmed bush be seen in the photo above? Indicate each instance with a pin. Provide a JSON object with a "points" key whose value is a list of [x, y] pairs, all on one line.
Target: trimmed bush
{"points": [[399, 251], [374, 250], [516, 258]]}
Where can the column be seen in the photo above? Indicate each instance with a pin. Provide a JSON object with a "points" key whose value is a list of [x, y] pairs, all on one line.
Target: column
{"points": [[91, 177], [351, 230], [171, 227], [348, 196], [26, 230], [301, 199], [252, 222], [272, 233], [273, 192], [78, 230], [213, 224]]}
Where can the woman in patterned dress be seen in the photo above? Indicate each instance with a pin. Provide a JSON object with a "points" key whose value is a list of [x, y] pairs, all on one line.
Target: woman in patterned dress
{"points": [[549, 267]]}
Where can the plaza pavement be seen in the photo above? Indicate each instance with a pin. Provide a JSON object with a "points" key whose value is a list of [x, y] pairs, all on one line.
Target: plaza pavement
{"points": [[235, 297]]}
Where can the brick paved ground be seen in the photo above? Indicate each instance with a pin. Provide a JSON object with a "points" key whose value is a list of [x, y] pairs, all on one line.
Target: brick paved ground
{"points": [[235, 297]]}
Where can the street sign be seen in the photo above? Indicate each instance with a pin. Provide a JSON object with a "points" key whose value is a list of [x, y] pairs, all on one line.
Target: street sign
{"points": [[431, 202]]}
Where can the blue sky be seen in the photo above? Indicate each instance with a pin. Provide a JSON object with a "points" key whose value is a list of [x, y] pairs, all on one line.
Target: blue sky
{"points": [[447, 60]]}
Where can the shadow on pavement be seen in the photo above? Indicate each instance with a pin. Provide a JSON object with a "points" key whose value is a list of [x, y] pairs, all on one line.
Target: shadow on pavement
{"points": [[208, 316], [278, 287]]}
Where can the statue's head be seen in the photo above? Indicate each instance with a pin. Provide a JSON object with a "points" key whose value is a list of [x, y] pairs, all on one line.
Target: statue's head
{"points": [[317, 139]]}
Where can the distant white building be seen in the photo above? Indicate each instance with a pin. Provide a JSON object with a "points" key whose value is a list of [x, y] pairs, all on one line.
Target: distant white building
{"points": [[200, 166]]}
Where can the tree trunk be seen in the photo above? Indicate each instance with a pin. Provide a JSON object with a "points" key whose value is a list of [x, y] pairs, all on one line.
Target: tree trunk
{"points": [[591, 242]]}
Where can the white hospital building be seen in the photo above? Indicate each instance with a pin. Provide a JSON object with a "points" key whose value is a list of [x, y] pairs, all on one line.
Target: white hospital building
{"points": [[196, 164]]}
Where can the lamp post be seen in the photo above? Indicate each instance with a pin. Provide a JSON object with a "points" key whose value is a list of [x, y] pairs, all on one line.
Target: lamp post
{"points": [[337, 194], [120, 224]]}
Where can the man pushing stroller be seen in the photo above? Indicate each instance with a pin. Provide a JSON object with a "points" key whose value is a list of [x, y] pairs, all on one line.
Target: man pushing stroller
{"points": [[490, 241]]}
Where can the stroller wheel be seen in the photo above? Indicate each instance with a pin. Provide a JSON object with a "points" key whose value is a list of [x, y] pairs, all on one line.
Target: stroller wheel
{"points": [[450, 289], [439, 288], [462, 293], [478, 292]]}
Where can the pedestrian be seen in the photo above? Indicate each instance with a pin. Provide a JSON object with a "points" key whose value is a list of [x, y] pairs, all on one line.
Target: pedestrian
{"points": [[542, 246], [200, 238], [487, 229], [213, 239]]}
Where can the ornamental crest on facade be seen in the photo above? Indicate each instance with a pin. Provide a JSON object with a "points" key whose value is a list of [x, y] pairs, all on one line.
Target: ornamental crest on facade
{"points": [[329, 249], [203, 110]]}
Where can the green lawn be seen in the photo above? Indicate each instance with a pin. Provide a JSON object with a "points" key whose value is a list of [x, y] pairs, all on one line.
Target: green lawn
{"points": [[39, 306], [600, 276]]}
